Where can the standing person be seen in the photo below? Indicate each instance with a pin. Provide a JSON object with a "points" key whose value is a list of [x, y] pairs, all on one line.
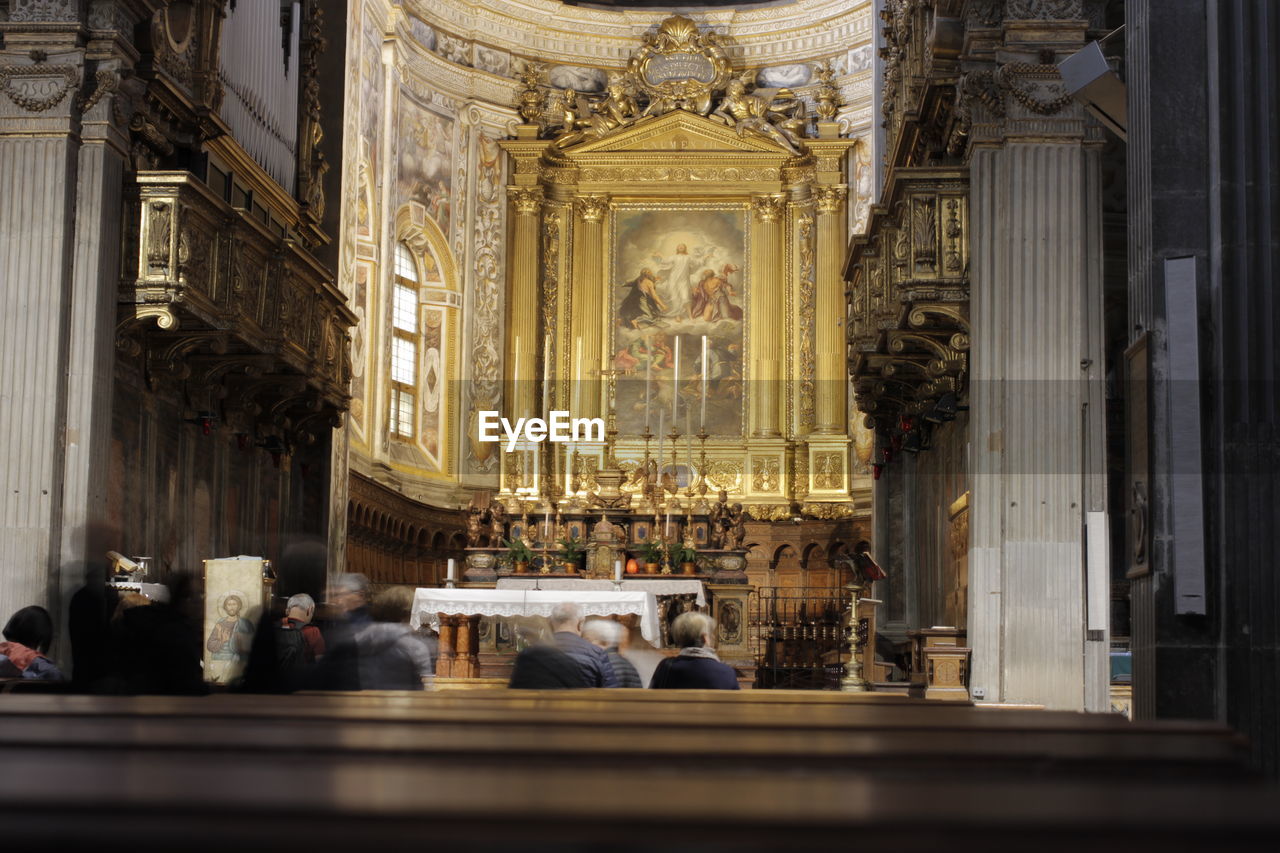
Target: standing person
{"points": [[28, 634], [310, 642], [608, 635], [566, 625], [696, 667], [392, 657], [350, 595]]}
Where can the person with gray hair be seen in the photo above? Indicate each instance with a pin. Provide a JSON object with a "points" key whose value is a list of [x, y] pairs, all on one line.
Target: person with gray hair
{"points": [[696, 667], [566, 626], [349, 592], [608, 635], [298, 613]]}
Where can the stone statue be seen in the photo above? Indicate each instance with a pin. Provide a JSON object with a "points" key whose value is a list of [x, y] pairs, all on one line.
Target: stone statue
{"points": [[616, 110], [749, 113]]}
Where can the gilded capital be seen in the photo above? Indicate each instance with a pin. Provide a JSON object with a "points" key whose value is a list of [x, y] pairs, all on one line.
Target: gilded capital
{"points": [[592, 208], [528, 200], [830, 199], [768, 208]]}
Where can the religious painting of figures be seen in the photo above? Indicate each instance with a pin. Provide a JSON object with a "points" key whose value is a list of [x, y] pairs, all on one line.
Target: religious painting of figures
{"points": [[679, 276], [425, 142], [234, 595], [372, 107]]}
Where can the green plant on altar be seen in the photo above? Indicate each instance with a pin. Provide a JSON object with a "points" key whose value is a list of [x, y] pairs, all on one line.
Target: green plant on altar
{"points": [[650, 552], [518, 551], [571, 550], [679, 554]]}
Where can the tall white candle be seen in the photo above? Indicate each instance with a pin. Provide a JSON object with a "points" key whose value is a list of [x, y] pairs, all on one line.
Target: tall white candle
{"points": [[617, 570], [702, 421], [675, 386], [568, 471], [577, 375], [661, 416], [452, 572], [648, 378]]}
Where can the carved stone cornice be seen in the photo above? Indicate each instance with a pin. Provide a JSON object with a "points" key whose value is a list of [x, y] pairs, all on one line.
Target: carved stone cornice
{"points": [[592, 208]]}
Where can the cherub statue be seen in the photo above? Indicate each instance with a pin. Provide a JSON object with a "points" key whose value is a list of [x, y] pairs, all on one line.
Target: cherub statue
{"points": [[497, 524], [718, 519], [736, 533], [474, 518]]}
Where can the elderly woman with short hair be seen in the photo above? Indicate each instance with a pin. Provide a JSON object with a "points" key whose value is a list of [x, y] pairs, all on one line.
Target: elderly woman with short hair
{"points": [[696, 667]]}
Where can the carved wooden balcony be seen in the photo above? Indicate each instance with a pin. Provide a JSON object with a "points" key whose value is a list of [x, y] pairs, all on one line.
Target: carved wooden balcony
{"points": [[908, 295], [237, 305]]}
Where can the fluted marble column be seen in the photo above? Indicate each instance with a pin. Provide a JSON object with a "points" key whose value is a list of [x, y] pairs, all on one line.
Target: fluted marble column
{"points": [[767, 312], [830, 373], [1036, 422], [523, 339], [588, 305]]}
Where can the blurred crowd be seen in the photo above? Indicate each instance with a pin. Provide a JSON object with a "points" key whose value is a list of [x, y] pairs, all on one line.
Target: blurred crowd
{"points": [[123, 642]]}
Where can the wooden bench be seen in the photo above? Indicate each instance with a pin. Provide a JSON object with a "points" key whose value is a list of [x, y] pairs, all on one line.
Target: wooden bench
{"points": [[585, 769]]}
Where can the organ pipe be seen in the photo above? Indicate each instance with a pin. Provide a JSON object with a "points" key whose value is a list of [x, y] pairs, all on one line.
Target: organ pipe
{"points": [[261, 83]]}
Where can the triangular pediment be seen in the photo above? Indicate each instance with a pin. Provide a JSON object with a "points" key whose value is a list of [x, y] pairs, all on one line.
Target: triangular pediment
{"points": [[678, 130]]}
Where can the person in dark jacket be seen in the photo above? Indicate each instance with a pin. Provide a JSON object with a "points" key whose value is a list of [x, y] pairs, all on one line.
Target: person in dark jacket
{"points": [[28, 634], [696, 667], [392, 656], [608, 635], [545, 668], [566, 625]]}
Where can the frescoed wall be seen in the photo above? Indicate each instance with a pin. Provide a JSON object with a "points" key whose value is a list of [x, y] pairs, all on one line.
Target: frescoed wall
{"points": [[424, 168]]}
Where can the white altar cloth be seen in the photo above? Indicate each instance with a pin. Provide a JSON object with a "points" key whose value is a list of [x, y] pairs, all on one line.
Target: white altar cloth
{"points": [[657, 586], [429, 603]]}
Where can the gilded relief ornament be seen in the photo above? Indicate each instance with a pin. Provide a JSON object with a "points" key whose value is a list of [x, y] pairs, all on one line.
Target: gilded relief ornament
{"points": [[828, 97], [679, 67], [530, 97]]}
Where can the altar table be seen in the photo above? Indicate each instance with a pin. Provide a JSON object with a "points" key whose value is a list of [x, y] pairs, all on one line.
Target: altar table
{"points": [[657, 586], [428, 604]]}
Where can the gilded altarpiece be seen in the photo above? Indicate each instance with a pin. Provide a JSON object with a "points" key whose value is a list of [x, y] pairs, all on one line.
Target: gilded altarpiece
{"points": [[671, 227]]}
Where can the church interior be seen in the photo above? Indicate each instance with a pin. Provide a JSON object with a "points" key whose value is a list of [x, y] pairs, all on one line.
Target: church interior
{"points": [[912, 363]]}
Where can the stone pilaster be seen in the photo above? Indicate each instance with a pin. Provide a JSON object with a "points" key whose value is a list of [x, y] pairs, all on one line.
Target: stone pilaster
{"points": [[588, 305], [830, 404], [62, 156], [523, 341], [1037, 425], [766, 301]]}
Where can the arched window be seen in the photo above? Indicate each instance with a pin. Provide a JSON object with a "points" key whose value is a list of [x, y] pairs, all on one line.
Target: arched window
{"points": [[405, 343]]}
